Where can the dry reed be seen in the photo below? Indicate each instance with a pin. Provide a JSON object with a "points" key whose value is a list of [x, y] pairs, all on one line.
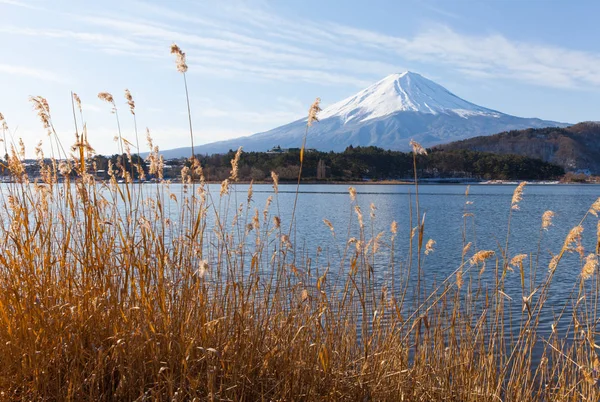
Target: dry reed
{"points": [[181, 297]]}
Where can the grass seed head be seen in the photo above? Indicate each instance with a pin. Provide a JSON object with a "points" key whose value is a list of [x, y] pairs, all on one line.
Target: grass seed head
{"points": [[417, 148], [481, 256], [517, 260], [466, 248], [77, 101], [314, 109], [40, 105], [224, 187], [459, 279], [352, 192], [518, 195], [130, 101], [329, 224], [595, 207], [591, 263], [275, 178], [359, 215], [547, 219], [574, 237], [179, 58], [429, 246], [235, 165], [107, 97], [203, 269]]}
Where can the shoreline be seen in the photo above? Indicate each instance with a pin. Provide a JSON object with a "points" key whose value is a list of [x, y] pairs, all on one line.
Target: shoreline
{"points": [[371, 182]]}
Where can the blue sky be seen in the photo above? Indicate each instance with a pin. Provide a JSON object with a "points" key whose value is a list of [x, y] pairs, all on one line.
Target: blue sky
{"points": [[254, 65]]}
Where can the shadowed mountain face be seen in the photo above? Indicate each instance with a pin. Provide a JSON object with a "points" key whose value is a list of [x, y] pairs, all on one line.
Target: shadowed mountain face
{"points": [[574, 148], [387, 114]]}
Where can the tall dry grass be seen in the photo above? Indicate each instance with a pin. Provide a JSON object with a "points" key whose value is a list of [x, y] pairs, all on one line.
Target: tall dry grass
{"points": [[160, 292]]}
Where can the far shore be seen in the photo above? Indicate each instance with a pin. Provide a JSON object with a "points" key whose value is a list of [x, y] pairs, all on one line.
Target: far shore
{"points": [[427, 181]]}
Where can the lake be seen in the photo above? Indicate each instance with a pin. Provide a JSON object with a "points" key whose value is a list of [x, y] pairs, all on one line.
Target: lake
{"points": [[444, 207]]}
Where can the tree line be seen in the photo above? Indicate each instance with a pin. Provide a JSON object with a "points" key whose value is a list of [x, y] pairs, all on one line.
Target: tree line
{"points": [[353, 164], [373, 163]]}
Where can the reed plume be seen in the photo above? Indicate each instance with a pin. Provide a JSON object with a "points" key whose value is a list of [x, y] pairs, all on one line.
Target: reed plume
{"points": [[313, 111], [130, 101], [573, 238], [106, 97], [459, 279], [591, 263], [352, 192], [224, 188], [598, 238], [77, 101], [554, 263], [481, 257], [41, 107], [275, 178], [517, 195], [517, 260], [180, 60], [429, 246], [547, 219], [417, 148], [234, 165], [595, 208]]}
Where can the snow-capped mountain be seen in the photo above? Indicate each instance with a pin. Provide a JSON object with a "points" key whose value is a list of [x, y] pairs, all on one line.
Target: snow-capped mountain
{"points": [[387, 114], [406, 92]]}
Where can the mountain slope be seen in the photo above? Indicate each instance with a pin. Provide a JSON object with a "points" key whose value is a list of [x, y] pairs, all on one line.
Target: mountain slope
{"points": [[574, 148], [387, 114]]}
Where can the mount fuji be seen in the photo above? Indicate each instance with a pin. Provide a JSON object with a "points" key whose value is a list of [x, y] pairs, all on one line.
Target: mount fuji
{"points": [[387, 114]]}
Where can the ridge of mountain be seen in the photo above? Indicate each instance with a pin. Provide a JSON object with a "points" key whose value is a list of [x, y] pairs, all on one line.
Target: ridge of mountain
{"points": [[386, 114], [575, 148]]}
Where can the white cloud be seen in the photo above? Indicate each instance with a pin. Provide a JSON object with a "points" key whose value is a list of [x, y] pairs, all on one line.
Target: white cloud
{"points": [[491, 56], [252, 43], [29, 72], [283, 49], [20, 4]]}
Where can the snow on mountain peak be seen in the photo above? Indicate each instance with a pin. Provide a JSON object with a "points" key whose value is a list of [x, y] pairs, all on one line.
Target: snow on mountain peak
{"points": [[404, 92]]}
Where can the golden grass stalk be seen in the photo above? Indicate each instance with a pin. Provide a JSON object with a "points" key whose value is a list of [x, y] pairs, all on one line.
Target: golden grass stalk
{"points": [[153, 302]]}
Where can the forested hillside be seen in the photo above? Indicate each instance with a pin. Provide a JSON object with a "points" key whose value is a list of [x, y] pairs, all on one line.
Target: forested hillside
{"points": [[575, 148], [360, 163]]}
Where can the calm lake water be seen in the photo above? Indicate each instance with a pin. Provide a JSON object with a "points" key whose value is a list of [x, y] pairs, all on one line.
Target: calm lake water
{"points": [[444, 206]]}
